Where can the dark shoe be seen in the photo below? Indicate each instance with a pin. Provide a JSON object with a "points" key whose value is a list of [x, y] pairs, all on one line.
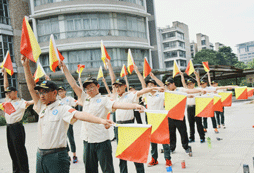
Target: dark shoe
{"points": [[202, 140], [189, 151], [191, 140], [75, 159]]}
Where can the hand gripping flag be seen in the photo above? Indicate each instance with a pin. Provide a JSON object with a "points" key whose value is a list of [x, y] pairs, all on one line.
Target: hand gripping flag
{"points": [[100, 73], [133, 142], [217, 104], [104, 55], [39, 72], [250, 91], [146, 69], [160, 130], [190, 68], [80, 69], [7, 64], [241, 93], [29, 47], [123, 71], [204, 106], [54, 55], [226, 98], [7, 107], [206, 67], [130, 63], [175, 103], [176, 69]]}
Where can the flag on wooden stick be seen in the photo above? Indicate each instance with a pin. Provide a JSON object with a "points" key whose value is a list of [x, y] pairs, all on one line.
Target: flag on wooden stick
{"points": [[190, 68], [100, 73], [146, 69], [123, 71], [176, 69], [130, 64], [206, 67], [39, 72], [7, 64], [80, 69], [104, 55]]}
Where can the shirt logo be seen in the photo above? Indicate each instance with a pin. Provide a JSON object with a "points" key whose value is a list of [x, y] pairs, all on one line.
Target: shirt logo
{"points": [[67, 100], [16, 103], [54, 112], [157, 95], [98, 100], [126, 96]]}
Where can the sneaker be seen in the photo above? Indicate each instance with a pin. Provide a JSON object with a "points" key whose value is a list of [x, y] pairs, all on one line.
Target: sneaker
{"points": [[205, 130], [216, 130], [168, 162], [223, 126], [153, 162], [202, 140], [218, 126], [191, 140], [189, 151], [75, 159]]}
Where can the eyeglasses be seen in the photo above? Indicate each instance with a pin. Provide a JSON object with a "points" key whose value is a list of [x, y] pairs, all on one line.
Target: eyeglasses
{"points": [[43, 92], [89, 89]]}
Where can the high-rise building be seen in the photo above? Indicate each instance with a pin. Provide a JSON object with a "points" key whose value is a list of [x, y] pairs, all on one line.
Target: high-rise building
{"points": [[193, 49], [11, 16], [245, 51], [218, 46], [174, 45], [79, 26], [203, 42]]}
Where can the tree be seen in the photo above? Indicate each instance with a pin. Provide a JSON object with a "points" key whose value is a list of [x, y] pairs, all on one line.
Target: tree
{"points": [[205, 55]]}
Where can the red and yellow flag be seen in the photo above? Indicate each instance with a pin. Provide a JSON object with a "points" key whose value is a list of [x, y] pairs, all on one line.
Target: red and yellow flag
{"points": [[206, 67], [226, 98], [123, 71], [146, 69], [108, 116], [54, 55], [7, 107], [104, 55], [217, 104], [100, 73], [204, 106], [160, 130], [130, 64], [7, 64], [39, 72], [175, 103], [133, 142], [176, 69], [29, 47], [241, 93], [190, 68], [80, 69], [250, 91]]}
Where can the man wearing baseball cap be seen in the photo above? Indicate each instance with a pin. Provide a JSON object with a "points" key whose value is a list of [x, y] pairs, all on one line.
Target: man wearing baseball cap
{"points": [[54, 120], [14, 109]]}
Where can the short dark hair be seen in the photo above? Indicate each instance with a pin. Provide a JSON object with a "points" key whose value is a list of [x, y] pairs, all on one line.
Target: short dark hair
{"points": [[89, 81]]}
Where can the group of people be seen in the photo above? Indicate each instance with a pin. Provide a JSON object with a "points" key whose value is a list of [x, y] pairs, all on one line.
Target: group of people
{"points": [[57, 116]]}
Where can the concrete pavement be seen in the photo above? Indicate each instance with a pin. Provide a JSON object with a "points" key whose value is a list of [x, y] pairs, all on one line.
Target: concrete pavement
{"points": [[226, 156]]}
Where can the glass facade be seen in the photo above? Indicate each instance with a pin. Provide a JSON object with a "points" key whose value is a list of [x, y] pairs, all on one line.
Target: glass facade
{"points": [[6, 43], [4, 12], [42, 2], [91, 25], [92, 58], [170, 64]]}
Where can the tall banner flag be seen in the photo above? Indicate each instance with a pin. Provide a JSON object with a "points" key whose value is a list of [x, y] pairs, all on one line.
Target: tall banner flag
{"points": [[241, 93], [7, 107], [7, 64], [176, 69], [217, 104], [175, 103], [80, 69], [250, 91], [29, 47], [39, 72], [206, 67], [54, 55], [146, 69], [130, 63], [160, 130], [104, 55], [190, 68], [133, 142], [204, 106], [100, 73], [226, 98], [123, 71]]}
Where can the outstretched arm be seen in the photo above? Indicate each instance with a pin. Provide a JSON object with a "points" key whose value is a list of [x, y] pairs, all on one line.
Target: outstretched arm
{"points": [[183, 80], [147, 90], [29, 79], [6, 82], [140, 77], [197, 78], [127, 83], [80, 83], [126, 106], [111, 72], [209, 78], [70, 79], [106, 85], [158, 81]]}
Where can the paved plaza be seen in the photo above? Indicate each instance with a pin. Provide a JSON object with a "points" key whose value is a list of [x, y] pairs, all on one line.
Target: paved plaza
{"points": [[226, 156]]}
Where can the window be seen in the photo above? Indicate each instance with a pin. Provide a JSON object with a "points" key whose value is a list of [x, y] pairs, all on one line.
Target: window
{"points": [[191, 48], [182, 63], [203, 47], [46, 27], [4, 12], [192, 55], [182, 45], [168, 35], [203, 42], [6, 43], [180, 35], [169, 45], [169, 64], [182, 54], [170, 54]]}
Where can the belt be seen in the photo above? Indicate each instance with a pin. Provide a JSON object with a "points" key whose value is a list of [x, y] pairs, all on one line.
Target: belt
{"points": [[125, 122], [17, 123], [44, 152], [191, 106]]}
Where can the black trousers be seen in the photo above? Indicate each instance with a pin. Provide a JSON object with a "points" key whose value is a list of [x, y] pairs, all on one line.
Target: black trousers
{"points": [[181, 126], [137, 117], [70, 135], [213, 122], [220, 117], [16, 145], [192, 119]]}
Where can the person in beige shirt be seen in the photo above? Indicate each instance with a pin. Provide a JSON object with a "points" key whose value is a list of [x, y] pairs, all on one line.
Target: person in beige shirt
{"points": [[54, 120]]}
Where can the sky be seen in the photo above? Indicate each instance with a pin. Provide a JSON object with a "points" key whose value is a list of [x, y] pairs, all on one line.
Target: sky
{"points": [[229, 22]]}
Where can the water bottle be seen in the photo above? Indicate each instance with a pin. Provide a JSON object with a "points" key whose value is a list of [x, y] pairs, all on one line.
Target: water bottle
{"points": [[169, 169], [209, 142]]}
